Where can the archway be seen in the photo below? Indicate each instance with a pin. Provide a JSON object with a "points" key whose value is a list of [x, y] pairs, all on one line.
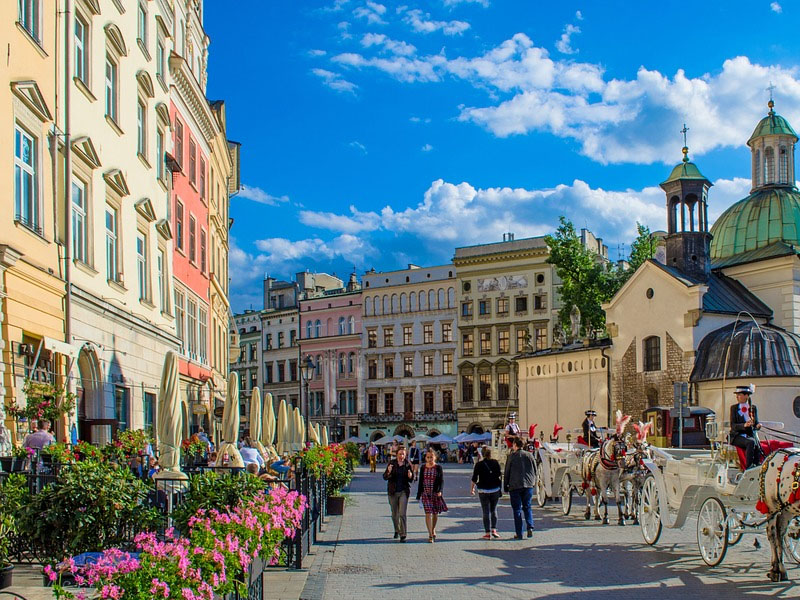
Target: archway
{"points": [[433, 433], [92, 424], [376, 436], [404, 430], [475, 428]]}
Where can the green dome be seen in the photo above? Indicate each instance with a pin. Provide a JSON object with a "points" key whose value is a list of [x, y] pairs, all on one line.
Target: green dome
{"points": [[772, 124], [685, 170], [766, 216]]}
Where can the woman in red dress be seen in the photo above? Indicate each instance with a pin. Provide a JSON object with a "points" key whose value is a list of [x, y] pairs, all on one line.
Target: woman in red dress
{"points": [[429, 492]]}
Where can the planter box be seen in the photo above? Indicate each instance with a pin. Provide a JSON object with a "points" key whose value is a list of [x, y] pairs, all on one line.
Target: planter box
{"points": [[335, 505], [10, 464], [6, 576]]}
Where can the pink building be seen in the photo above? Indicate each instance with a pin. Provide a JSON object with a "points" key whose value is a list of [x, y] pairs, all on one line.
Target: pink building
{"points": [[330, 333]]}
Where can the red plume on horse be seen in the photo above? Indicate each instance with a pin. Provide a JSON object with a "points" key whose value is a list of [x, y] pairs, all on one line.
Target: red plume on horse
{"points": [[532, 431], [556, 429], [622, 423], [642, 429]]}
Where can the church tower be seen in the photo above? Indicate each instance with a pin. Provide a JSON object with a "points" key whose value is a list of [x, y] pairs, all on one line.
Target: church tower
{"points": [[688, 240], [772, 151]]}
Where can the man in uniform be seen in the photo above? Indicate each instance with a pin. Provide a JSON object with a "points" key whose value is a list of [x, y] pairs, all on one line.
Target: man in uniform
{"points": [[745, 424], [590, 429], [512, 429]]}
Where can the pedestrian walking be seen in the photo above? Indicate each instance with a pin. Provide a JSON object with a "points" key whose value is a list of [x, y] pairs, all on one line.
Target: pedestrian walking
{"points": [[372, 452], [398, 475], [429, 492], [518, 481], [487, 479], [414, 455]]}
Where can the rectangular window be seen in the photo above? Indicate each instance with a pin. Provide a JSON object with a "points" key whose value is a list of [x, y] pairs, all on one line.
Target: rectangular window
{"points": [[408, 366], [26, 180], [142, 24], [540, 302], [427, 396], [388, 368], [292, 337], [121, 406], [191, 328], [447, 400], [466, 344], [372, 404], [161, 57], [192, 239], [372, 338], [541, 338], [79, 242], [202, 335], [427, 333], [521, 304], [652, 353], [467, 388], [281, 371], [503, 385], [179, 141], [203, 252], [280, 339], [243, 380], [447, 364], [292, 370], [502, 306], [30, 18], [253, 351], [408, 402], [503, 342], [269, 341], [522, 337], [141, 266], [388, 403], [141, 129], [447, 332], [268, 373], [149, 405], [427, 365], [372, 369], [388, 336], [466, 309], [192, 161], [486, 342], [202, 178], [407, 335], [253, 379], [81, 49], [160, 154], [484, 307], [485, 382], [162, 280], [112, 91], [112, 244], [179, 224], [180, 319]]}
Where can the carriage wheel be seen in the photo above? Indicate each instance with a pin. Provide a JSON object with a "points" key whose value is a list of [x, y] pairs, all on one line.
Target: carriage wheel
{"points": [[712, 531], [566, 494], [791, 539], [734, 522], [649, 511], [541, 493]]}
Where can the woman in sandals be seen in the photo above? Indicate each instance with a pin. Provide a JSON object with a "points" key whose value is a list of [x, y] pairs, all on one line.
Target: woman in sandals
{"points": [[486, 478], [429, 492]]}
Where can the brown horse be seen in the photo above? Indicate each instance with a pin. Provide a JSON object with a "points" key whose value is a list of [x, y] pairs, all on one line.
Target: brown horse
{"points": [[601, 469], [779, 498]]}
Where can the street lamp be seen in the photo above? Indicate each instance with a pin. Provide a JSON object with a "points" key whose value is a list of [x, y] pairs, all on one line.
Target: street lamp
{"points": [[307, 372]]}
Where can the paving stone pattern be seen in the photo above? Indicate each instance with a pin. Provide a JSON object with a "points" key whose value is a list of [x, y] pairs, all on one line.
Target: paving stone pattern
{"points": [[567, 558]]}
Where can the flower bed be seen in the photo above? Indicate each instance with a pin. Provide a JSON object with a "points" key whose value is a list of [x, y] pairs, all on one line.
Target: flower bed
{"points": [[331, 461]]}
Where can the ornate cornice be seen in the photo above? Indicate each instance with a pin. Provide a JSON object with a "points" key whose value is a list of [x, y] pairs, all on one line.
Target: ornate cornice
{"points": [[193, 96]]}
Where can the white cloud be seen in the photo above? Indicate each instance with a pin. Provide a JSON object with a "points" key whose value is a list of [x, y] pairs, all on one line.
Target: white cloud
{"points": [[775, 7], [335, 81], [564, 44], [579, 15], [316, 53], [401, 67], [358, 146], [287, 255], [372, 11], [483, 3], [419, 119], [356, 222], [337, 6], [256, 194], [427, 148], [344, 30], [389, 45], [422, 23]]}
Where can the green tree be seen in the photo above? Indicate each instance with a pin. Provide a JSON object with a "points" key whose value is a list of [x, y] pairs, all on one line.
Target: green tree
{"points": [[643, 248]]}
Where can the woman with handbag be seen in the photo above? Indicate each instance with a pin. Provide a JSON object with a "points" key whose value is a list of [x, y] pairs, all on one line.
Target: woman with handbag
{"points": [[398, 474], [487, 479], [429, 492]]}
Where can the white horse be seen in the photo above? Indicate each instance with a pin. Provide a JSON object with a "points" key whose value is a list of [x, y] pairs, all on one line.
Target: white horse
{"points": [[601, 470], [779, 482], [634, 472]]}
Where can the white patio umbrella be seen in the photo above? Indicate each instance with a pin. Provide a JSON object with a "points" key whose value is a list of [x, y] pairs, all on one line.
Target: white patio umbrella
{"points": [[170, 421], [256, 422], [316, 436], [230, 427], [268, 426], [420, 438], [323, 440], [299, 434], [283, 430]]}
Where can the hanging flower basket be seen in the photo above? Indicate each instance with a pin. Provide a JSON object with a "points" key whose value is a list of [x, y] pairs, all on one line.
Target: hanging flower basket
{"points": [[42, 401]]}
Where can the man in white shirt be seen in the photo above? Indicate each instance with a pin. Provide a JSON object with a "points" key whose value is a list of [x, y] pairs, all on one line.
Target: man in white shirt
{"points": [[250, 454]]}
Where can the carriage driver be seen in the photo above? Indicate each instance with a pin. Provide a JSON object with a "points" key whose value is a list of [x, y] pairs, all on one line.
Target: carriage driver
{"points": [[590, 429], [512, 429], [744, 424]]}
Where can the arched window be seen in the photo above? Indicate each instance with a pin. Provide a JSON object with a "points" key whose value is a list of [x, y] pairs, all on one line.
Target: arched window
{"points": [[368, 306], [317, 328], [441, 299], [386, 309], [351, 362], [431, 300], [783, 165], [377, 305], [403, 302], [341, 363], [342, 329], [412, 302], [308, 330], [652, 353], [757, 169], [769, 165], [395, 304], [451, 297], [672, 226], [351, 324], [423, 304]]}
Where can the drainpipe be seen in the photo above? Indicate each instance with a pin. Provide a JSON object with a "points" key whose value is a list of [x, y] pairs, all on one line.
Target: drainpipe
{"points": [[608, 382], [68, 35]]}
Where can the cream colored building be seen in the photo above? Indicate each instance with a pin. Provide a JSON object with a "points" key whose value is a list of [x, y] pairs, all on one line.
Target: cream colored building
{"points": [[31, 277]]}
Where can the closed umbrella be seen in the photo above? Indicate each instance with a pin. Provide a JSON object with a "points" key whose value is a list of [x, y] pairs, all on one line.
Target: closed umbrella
{"points": [[299, 434], [256, 422], [283, 431], [230, 427], [324, 438], [170, 421], [268, 426]]}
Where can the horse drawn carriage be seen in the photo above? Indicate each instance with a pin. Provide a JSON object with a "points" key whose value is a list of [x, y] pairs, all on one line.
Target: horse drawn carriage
{"points": [[558, 473], [714, 485]]}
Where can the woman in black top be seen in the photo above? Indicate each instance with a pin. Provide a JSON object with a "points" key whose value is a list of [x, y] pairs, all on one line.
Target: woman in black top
{"points": [[398, 474], [486, 477]]}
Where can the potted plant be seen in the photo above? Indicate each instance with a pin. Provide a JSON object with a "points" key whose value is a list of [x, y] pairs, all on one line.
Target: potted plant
{"points": [[6, 568], [42, 401]]}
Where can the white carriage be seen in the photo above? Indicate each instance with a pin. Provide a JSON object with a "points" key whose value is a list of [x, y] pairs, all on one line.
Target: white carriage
{"points": [[711, 484], [499, 448], [558, 473]]}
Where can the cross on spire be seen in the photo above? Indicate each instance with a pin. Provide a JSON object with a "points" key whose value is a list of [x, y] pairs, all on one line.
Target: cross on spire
{"points": [[685, 149], [771, 102]]}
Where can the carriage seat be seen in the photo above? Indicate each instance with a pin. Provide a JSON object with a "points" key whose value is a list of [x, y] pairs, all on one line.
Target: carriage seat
{"points": [[767, 448], [582, 441]]}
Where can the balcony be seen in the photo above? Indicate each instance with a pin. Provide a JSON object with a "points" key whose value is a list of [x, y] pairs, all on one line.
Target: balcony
{"points": [[407, 417]]}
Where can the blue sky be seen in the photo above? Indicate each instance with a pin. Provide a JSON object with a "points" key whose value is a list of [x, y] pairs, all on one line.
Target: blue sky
{"points": [[375, 134]]}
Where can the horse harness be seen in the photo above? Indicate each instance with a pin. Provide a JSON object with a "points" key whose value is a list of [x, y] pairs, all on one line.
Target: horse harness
{"points": [[794, 495]]}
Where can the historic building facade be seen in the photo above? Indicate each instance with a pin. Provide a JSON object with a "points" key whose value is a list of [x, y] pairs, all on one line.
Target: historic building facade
{"points": [[408, 345], [280, 326], [248, 364]]}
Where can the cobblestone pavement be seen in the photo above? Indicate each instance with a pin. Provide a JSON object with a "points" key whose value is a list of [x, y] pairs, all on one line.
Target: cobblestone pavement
{"points": [[566, 558]]}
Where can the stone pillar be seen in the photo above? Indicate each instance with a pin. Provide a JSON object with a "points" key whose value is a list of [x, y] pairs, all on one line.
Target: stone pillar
{"points": [[494, 383], [8, 258], [476, 386]]}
